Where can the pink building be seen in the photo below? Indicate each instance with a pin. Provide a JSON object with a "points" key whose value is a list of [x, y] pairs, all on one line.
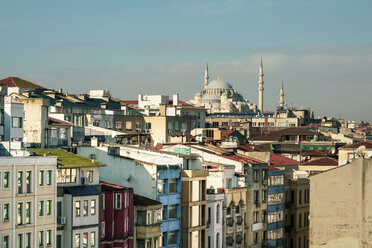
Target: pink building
{"points": [[116, 216]]}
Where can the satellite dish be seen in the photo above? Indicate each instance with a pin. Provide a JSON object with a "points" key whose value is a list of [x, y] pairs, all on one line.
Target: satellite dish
{"points": [[360, 151]]}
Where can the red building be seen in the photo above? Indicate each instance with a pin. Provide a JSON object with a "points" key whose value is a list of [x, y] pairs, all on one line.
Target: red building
{"points": [[116, 216]]}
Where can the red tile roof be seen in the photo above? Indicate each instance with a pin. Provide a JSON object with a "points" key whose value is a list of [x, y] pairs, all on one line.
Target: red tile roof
{"points": [[275, 135], [58, 121], [326, 161], [276, 159], [248, 148], [19, 82], [316, 153], [272, 168], [367, 144], [111, 185]]}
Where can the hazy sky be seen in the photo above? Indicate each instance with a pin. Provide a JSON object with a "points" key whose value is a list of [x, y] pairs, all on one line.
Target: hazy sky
{"points": [[321, 50]]}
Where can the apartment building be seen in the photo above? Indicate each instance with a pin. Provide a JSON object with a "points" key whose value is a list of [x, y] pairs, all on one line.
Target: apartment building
{"points": [[297, 196], [28, 192], [349, 152], [77, 199], [160, 180], [193, 209], [275, 208], [215, 201], [147, 219], [116, 216]]}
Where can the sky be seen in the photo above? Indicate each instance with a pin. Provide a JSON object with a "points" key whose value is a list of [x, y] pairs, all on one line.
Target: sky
{"points": [[321, 49]]}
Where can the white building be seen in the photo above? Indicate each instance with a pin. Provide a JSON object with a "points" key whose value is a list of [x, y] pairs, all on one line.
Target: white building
{"points": [[214, 218], [13, 120]]}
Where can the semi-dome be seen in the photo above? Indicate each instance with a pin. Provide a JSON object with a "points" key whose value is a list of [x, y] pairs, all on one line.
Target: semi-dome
{"points": [[219, 84]]}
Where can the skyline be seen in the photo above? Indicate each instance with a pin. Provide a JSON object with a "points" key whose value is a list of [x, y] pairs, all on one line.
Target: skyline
{"points": [[320, 50]]}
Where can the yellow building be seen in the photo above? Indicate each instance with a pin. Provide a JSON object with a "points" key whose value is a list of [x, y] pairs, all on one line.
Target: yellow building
{"points": [[27, 201], [349, 152]]}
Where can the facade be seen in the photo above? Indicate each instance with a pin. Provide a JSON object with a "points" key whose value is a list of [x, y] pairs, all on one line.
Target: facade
{"points": [[297, 196], [13, 120], [116, 216], [340, 210], [147, 219], [77, 211], [215, 200], [275, 208], [160, 180], [318, 165], [59, 133], [194, 201], [219, 96], [35, 122], [361, 149], [28, 201]]}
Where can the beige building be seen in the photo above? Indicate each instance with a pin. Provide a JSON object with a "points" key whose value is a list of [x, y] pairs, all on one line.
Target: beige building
{"points": [[35, 122], [340, 206], [194, 201], [28, 201], [297, 195], [349, 152]]}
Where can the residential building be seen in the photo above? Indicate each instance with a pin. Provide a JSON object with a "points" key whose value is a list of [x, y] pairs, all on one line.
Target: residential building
{"points": [[361, 149], [297, 196], [340, 209], [147, 221], [160, 180], [275, 208], [116, 216], [215, 203], [28, 193], [18, 85], [13, 120], [59, 132], [193, 210], [318, 165], [77, 211]]}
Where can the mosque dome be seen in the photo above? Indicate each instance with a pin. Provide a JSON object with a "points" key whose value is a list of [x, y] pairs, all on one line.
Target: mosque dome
{"points": [[219, 84]]}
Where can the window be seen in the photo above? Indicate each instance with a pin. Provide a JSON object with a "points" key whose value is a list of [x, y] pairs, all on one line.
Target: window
{"points": [[85, 207], [218, 240], [300, 197], [218, 213], [256, 197], [28, 212], [92, 239], [66, 176], [170, 125], [49, 237], [256, 175], [77, 240], [17, 122], [148, 126], [103, 202], [256, 237], [173, 211], [41, 208], [20, 213], [28, 181], [138, 126], [6, 179], [41, 238], [41, 178], [77, 208], [237, 210], [184, 126], [85, 240], [49, 207], [118, 201], [172, 185], [299, 220], [263, 195], [6, 241], [160, 186], [49, 177], [209, 217], [128, 125], [176, 125], [20, 182], [264, 174], [28, 240], [228, 210], [172, 238], [19, 240], [255, 216], [93, 207], [118, 125], [6, 212], [103, 229], [90, 176]]}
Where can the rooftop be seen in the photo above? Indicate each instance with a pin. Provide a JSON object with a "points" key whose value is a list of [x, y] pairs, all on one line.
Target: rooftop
{"points": [[276, 135], [65, 158], [276, 159], [144, 201], [326, 161], [367, 144], [19, 82]]}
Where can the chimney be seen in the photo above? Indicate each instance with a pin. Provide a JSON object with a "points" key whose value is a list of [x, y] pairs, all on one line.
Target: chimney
{"points": [[176, 99]]}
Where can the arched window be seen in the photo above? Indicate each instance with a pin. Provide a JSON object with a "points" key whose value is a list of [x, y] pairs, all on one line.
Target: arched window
{"points": [[218, 240], [218, 213]]}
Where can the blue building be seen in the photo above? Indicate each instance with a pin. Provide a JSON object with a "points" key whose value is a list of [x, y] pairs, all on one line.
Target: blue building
{"points": [[275, 207], [151, 174]]}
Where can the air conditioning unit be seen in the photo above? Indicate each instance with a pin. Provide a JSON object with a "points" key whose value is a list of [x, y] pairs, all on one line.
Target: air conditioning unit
{"points": [[62, 220]]}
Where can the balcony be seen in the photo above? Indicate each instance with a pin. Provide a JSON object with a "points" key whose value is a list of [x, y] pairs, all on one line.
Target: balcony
{"points": [[257, 203]]}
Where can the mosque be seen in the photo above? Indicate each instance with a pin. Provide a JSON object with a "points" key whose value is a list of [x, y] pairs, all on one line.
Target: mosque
{"points": [[219, 96]]}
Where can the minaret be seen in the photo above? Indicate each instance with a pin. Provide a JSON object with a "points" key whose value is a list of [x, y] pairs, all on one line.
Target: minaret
{"points": [[260, 89], [281, 99], [206, 76]]}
